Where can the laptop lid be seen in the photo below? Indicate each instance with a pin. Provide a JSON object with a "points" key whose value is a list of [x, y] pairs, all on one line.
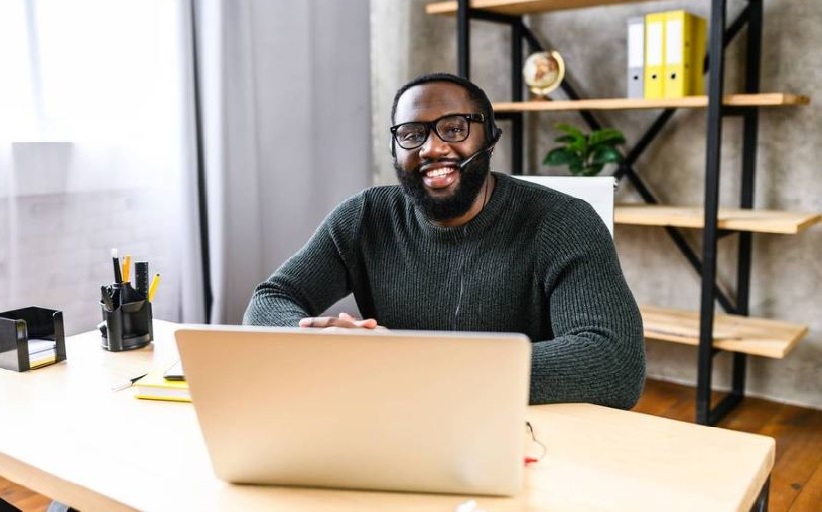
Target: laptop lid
{"points": [[412, 411]]}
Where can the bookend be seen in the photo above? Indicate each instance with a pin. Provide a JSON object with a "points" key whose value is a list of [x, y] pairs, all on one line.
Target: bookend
{"points": [[127, 326], [19, 326]]}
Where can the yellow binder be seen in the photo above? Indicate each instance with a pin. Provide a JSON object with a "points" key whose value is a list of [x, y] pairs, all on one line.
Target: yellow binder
{"points": [[700, 39], [684, 54], [654, 54], [678, 65]]}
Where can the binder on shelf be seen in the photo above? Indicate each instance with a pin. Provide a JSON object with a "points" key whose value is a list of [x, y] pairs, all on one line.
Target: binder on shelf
{"points": [[636, 57], [653, 85], [680, 54], [700, 40]]}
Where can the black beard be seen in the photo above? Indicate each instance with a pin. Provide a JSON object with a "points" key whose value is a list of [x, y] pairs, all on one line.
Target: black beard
{"points": [[472, 178]]}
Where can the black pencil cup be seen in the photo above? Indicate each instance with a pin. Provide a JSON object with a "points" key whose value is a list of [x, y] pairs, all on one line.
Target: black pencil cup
{"points": [[33, 323], [128, 326]]}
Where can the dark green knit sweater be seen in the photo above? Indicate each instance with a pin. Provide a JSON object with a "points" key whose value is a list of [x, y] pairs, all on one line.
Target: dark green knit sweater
{"points": [[534, 261]]}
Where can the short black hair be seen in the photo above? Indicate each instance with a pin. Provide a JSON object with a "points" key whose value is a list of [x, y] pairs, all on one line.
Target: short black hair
{"points": [[477, 95]]}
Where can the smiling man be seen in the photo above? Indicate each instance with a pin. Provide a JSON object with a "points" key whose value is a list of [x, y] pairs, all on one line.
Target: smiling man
{"points": [[458, 247], [434, 170]]}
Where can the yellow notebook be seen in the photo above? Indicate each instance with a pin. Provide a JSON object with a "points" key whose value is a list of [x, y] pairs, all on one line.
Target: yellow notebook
{"points": [[155, 387]]}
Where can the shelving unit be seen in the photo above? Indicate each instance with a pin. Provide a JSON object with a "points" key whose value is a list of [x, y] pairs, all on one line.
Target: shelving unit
{"points": [[729, 219], [520, 7], [731, 100], [734, 330], [732, 333]]}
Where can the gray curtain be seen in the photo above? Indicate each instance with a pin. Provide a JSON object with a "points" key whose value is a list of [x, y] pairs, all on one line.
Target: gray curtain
{"points": [[286, 117]]}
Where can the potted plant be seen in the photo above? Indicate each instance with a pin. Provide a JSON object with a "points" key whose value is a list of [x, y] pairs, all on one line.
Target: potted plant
{"points": [[585, 155]]}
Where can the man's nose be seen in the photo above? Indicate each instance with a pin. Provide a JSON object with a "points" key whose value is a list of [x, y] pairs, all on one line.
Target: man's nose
{"points": [[434, 146]]}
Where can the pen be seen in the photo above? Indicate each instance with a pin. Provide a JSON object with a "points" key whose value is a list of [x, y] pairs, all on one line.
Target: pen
{"points": [[118, 277], [126, 268], [153, 288], [127, 384]]}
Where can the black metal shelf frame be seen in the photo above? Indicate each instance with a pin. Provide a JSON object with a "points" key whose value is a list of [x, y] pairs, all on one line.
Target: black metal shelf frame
{"points": [[705, 264]]}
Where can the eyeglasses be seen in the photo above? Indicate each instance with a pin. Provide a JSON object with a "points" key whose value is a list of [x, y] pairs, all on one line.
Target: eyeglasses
{"points": [[450, 128]]}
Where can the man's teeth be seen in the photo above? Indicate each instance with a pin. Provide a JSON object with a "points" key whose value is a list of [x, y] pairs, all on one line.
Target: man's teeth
{"points": [[436, 173]]}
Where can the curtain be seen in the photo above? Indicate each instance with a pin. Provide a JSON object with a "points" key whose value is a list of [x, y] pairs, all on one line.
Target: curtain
{"points": [[94, 138], [286, 124], [112, 107]]}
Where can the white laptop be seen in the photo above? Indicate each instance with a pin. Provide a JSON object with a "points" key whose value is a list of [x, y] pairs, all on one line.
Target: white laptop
{"points": [[417, 411]]}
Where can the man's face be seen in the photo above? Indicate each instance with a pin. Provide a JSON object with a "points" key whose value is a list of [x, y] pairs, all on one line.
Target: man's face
{"points": [[430, 174]]}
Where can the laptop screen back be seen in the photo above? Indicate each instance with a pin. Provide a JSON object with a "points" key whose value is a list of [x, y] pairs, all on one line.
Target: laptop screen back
{"points": [[384, 410]]}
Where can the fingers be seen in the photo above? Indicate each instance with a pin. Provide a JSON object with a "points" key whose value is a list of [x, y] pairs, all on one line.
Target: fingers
{"points": [[319, 322], [343, 320], [368, 323]]}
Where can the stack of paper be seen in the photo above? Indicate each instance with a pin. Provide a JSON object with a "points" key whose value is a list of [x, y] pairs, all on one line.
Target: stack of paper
{"points": [[41, 352]]}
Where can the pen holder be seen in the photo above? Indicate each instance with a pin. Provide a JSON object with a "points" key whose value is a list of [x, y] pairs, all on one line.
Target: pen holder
{"points": [[128, 326], [32, 324]]}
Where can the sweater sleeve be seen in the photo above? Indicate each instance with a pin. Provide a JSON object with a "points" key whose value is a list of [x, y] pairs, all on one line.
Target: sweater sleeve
{"points": [[597, 353], [314, 278]]}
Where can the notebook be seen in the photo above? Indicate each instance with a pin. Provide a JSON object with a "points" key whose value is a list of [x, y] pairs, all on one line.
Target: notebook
{"points": [[418, 411], [155, 386]]}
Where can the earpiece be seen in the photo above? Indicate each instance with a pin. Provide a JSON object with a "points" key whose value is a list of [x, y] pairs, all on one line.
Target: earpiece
{"points": [[497, 134], [492, 132]]}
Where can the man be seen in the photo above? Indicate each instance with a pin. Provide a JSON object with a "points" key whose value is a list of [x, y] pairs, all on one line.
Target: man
{"points": [[456, 247]]}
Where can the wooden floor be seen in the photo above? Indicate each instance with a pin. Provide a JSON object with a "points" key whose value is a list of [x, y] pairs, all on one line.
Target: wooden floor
{"points": [[796, 483], [796, 480]]}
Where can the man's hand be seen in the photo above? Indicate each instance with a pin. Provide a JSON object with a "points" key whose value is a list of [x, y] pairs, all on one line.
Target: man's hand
{"points": [[343, 320]]}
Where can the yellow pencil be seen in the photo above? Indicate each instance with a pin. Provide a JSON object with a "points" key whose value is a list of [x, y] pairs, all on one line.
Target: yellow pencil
{"points": [[153, 287], [126, 268]]}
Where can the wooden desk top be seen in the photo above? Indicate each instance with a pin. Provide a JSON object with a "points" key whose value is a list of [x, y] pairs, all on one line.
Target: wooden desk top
{"points": [[66, 434]]}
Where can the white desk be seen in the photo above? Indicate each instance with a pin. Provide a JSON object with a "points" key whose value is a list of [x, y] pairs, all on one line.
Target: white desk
{"points": [[65, 434]]}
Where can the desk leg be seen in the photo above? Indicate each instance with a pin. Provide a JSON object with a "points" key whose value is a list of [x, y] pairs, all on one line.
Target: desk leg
{"points": [[761, 503]]}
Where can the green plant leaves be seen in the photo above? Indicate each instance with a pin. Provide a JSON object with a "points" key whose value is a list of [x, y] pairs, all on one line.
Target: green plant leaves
{"points": [[585, 155], [605, 155], [606, 136], [562, 156]]}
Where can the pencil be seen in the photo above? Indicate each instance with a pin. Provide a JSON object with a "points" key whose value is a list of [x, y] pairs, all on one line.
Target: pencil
{"points": [[126, 268], [153, 288]]}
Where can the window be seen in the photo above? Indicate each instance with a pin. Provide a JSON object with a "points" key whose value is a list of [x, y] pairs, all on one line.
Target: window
{"points": [[93, 145]]}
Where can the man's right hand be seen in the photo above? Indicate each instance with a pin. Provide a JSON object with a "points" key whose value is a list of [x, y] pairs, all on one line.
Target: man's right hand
{"points": [[343, 320]]}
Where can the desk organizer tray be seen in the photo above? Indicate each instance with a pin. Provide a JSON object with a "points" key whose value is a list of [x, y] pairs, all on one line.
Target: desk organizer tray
{"points": [[30, 338]]}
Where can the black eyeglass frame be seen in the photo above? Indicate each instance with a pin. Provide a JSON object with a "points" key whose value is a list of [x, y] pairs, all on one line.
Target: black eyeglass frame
{"points": [[432, 126]]}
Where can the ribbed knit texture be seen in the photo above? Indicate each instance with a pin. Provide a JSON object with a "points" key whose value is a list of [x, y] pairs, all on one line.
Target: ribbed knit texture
{"points": [[533, 261]]}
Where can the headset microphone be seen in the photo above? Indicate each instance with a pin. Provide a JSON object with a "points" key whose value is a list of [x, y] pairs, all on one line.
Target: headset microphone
{"points": [[496, 133], [467, 161]]}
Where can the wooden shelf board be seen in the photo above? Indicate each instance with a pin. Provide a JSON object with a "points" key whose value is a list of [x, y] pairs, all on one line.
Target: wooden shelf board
{"points": [[518, 7], [771, 99], [758, 221], [755, 336]]}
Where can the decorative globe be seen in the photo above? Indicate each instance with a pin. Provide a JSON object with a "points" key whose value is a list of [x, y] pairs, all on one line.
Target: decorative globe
{"points": [[543, 72]]}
